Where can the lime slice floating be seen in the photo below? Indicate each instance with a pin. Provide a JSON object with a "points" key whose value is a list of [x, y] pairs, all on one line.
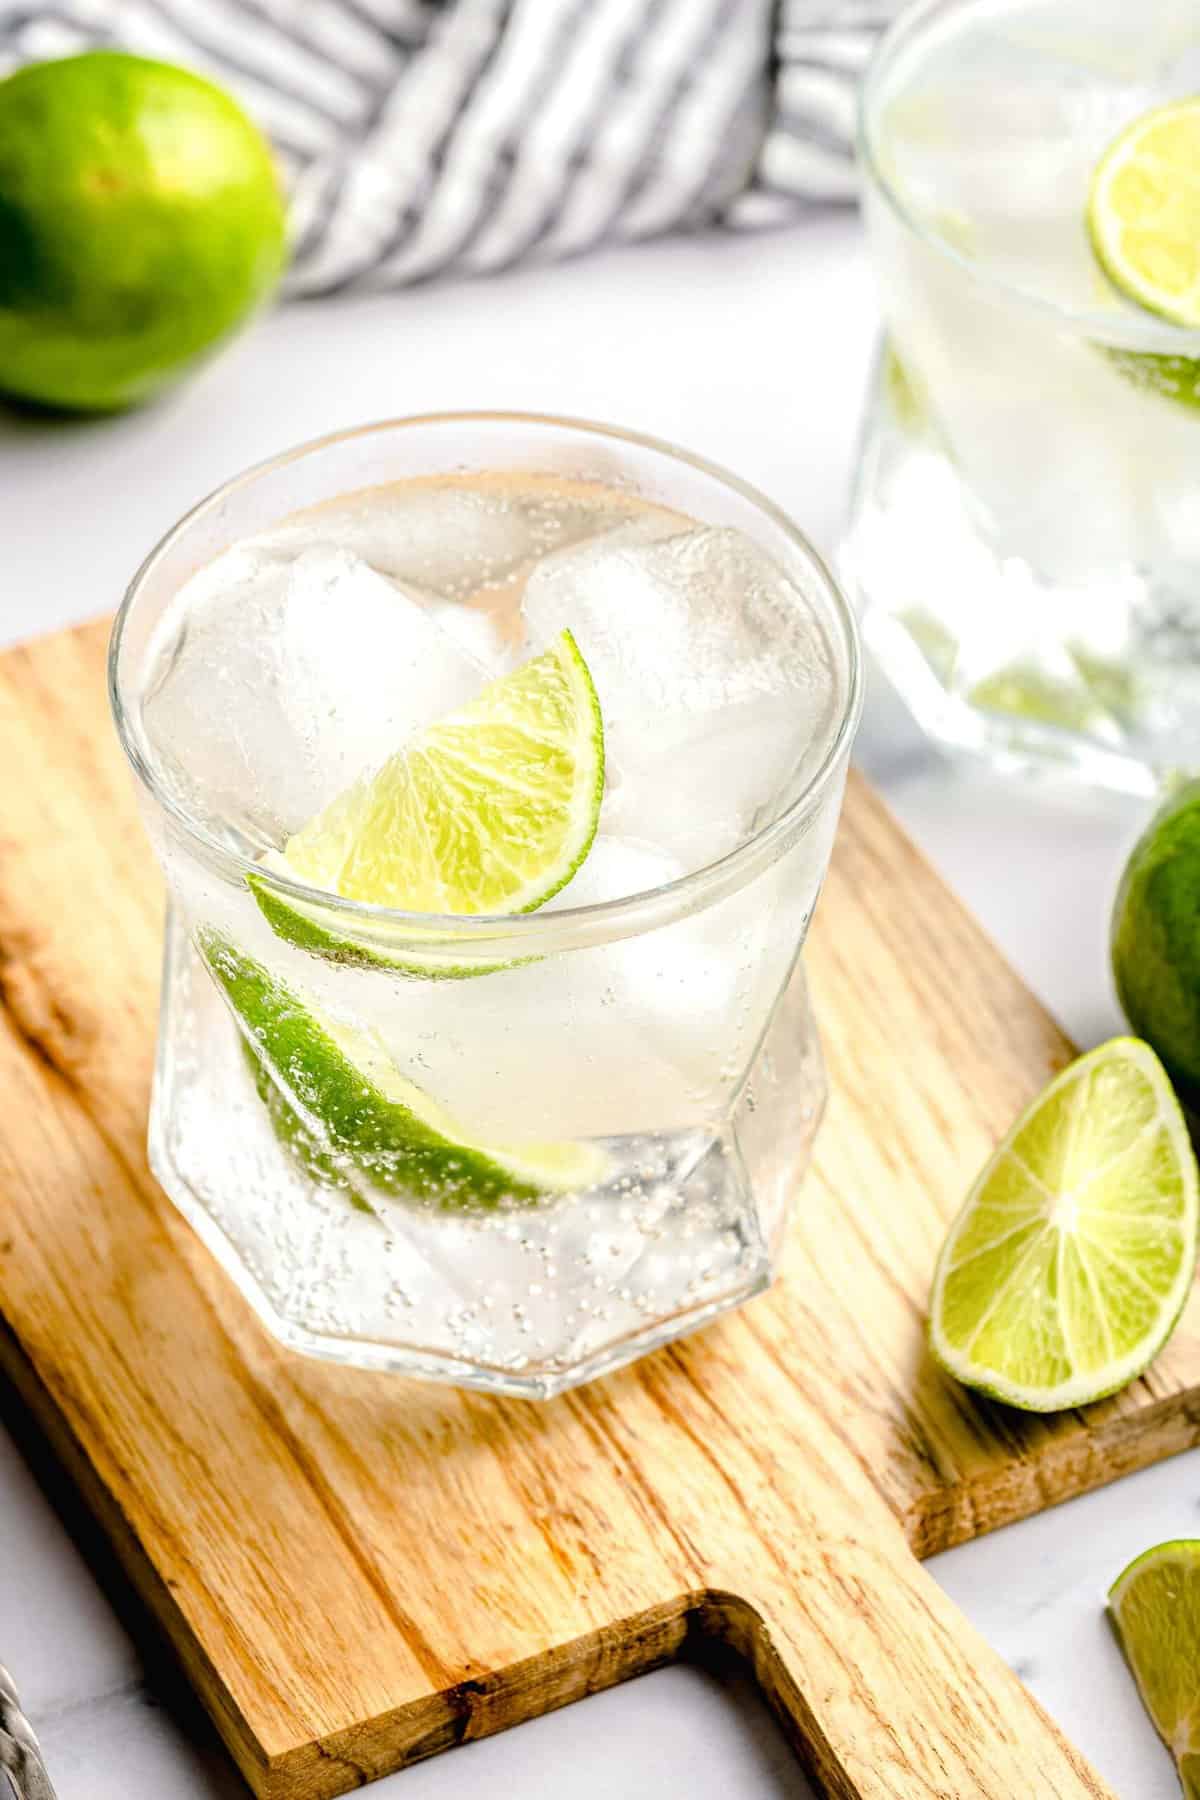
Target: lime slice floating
{"points": [[1144, 212], [1069, 1264], [490, 810], [393, 1136], [1155, 1604]]}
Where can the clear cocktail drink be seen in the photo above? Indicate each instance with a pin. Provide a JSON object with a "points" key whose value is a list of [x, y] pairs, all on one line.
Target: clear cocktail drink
{"points": [[510, 1149], [1026, 523]]}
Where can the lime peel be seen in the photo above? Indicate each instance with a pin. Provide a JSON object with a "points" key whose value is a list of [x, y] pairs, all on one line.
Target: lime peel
{"points": [[316, 1164], [1070, 1262], [1156, 967], [390, 1132], [312, 928]]}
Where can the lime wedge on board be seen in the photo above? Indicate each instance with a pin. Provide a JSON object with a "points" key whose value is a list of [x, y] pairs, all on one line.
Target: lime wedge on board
{"points": [[1067, 1268]]}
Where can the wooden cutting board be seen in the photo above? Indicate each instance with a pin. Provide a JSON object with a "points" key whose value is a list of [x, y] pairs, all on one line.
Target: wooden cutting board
{"points": [[359, 1570]]}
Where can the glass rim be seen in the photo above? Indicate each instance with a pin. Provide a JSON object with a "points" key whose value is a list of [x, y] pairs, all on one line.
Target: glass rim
{"points": [[593, 923], [1135, 330]]}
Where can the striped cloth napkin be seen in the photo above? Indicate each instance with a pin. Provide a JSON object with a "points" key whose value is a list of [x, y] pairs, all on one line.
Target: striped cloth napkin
{"points": [[426, 136]]}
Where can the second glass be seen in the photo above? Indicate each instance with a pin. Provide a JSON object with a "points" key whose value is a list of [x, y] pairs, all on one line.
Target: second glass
{"points": [[506, 1151], [1025, 537]]}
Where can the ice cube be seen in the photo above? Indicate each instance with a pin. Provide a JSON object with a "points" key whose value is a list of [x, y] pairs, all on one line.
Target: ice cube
{"points": [[373, 665], [693, 622], [279, 681], [701, 790], [445, 538], [477, 632], [715, 676], [615, 868], [649, 1033], [607, 1039]]}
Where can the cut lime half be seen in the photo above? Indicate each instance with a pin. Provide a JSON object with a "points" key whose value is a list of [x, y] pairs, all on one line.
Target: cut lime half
{"points": [[1143, 212], [1070, 1262], [1155, 1604], [490, 810], [346, 1087]]}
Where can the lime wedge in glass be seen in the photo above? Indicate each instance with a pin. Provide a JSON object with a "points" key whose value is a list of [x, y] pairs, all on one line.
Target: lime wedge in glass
{"points": [[345, 1087], [1143, 212], [1069, 1264], [490, 810], [1172, 378], [317, 1165], [1155, 1604]]}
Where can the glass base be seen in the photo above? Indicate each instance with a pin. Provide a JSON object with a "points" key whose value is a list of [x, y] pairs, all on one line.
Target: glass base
{"points": [[1093, 673], [528, 1301]]}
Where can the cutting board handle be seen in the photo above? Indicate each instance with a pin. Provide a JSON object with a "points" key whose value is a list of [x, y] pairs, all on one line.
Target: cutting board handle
{"points": [[358, 1571], [888, 1695]]}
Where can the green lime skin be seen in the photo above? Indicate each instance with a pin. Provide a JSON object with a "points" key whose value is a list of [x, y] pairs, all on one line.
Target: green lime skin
{"points": [[1173, 378], [295, 928], [297, 1141], [1156, 938], [141, 222], [398, 1153]]}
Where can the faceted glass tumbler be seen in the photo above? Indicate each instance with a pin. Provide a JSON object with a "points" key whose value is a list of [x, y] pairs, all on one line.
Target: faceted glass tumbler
{"points": [[670, 1030]]}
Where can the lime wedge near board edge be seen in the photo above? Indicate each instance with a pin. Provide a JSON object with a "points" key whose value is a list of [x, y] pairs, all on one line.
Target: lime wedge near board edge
{"points": [[1155, 1605], [1070, 1262], [489, 810], [392, 1135]]}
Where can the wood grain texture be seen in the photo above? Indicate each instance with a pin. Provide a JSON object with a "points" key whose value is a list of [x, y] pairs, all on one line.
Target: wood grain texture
{"points": [[359, 1570]]}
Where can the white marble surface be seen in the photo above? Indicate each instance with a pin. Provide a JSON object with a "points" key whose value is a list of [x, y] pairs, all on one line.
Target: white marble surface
{"points": [[755, 352]]}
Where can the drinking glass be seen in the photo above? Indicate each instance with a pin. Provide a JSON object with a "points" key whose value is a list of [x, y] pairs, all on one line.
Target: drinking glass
{"points": [[1024, 539], [660, 1044]]}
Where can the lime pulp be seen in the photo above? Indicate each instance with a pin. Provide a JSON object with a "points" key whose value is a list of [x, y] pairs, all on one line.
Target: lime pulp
{"points": [[1067, 1268]]}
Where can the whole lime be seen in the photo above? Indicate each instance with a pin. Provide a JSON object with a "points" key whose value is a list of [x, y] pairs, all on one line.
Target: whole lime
{"points": [[1156, 937], [141, 221]]}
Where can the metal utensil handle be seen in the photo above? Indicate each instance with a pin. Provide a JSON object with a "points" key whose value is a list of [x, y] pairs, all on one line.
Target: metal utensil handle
{"points": [[22, 1771]]}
